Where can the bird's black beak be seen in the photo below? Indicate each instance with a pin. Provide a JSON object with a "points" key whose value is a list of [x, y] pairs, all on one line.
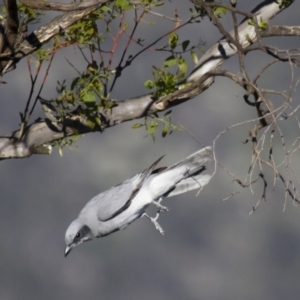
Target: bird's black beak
{"points": [[68, 250]]}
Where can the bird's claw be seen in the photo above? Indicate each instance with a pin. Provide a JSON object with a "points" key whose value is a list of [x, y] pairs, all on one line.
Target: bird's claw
{"points": [[154, 221], [161, 207]]}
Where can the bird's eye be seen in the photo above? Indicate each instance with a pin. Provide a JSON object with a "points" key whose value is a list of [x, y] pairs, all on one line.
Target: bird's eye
{"points": [[77, 236]]}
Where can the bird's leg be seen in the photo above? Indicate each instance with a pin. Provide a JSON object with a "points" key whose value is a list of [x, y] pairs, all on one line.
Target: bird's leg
{"points": [[157, 204], [154, 221]]}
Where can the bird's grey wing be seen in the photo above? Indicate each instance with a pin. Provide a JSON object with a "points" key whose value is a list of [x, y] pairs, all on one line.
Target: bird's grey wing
{"points": [[148, 172], [117, 199]]}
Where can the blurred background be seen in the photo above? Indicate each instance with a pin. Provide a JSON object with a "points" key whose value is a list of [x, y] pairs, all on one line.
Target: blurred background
{"points": [[212, 249]]}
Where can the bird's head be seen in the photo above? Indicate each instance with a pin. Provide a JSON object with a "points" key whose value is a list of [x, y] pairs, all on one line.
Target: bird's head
{"points": [[77, 233]]}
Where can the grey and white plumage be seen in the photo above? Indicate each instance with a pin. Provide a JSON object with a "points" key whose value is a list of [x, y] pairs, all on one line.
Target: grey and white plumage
{"points": [[122, 204]]}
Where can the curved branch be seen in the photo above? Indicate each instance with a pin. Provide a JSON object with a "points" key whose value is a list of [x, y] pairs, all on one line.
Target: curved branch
{"points": [[46, 32], [222, 50], [61, 7]]}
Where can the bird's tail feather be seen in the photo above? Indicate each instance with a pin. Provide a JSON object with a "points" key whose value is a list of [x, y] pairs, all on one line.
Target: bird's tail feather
{"points": [[196, 160], [189, 184], [183, 176]]}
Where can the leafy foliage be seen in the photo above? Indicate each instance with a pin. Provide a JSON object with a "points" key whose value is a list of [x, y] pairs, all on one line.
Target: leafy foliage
{"points": [[96, 37], [152, 123], [261, 24], [165, 82]]}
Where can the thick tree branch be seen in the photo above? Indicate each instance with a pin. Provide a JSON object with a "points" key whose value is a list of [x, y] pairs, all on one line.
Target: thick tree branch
{"points": [[12, 22], [46, 131], [62, 7], [222, 50], [9, 30], [39, 37]]}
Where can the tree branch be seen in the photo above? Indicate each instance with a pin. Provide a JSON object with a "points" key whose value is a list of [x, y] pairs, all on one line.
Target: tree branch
{"points": [[46, 131], [281, 31], [42, 35], [62, 7], [222, 50], [9, 31]]}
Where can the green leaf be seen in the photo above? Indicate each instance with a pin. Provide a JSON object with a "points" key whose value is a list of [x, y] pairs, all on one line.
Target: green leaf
{"points": [[149, 84], [173, 40], [219, 11], [185, 44], [60, 151], [194, 57], [170, 61], [165, 130], [182, 65], [98, 120], [262, 24], [89, 97], [137, 125], [152, 128], [105, 8], [123, 4], [251, 22], [90, 31]]}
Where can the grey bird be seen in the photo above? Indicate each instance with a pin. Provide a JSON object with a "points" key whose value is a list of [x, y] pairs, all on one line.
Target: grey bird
{"points": [[122, 204]]}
